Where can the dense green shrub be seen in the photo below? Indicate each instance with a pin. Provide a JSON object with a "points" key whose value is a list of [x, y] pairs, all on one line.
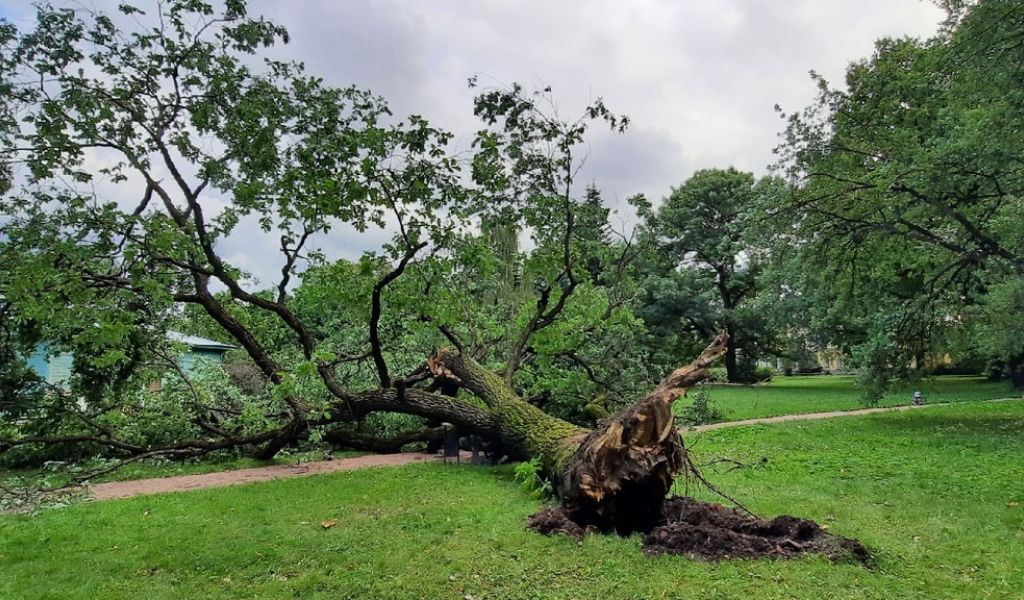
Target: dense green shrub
{"points": [[701, 410], [718, 374], [528, 474]]}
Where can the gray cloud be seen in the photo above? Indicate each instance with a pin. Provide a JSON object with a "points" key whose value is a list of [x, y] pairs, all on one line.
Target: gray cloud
{"points": [[698, 78], [703, 74]]}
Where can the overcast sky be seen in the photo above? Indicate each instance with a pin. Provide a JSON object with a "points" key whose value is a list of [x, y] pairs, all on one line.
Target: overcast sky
{"points": [[698, 78]]}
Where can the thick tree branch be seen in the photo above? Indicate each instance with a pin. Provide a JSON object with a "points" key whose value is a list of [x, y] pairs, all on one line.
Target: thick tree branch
{"points": [[376, 349], [984, 240], [385, 445], [291, 255]]}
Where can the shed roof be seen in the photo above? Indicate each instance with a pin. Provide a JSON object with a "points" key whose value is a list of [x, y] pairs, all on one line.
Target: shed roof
{"points": [[195, 341]]}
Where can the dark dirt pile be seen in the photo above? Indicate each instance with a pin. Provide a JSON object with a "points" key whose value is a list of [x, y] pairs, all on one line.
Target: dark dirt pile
{"points": [[713, 532]]}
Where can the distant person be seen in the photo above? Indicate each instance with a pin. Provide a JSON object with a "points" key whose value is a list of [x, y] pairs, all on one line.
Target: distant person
{"points": [[918, 399]]}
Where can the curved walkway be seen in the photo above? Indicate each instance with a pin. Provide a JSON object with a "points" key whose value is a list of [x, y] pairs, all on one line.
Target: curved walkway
{"points": [[141, 487], [829, 415], [180, 483]]}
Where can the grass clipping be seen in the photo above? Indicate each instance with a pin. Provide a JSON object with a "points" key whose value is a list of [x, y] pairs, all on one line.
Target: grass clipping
{"points": [[709, 531]]}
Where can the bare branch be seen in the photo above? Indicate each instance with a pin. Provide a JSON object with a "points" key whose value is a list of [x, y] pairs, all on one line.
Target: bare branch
{"points": [[291, 255], [375, 313]]}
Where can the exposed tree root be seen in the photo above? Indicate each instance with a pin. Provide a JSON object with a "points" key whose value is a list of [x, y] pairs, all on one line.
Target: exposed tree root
{"points": [[707, 531]]}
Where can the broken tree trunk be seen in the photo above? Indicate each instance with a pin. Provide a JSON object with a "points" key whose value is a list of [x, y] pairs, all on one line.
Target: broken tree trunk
{"points": [[622, 471], [614, 477]]}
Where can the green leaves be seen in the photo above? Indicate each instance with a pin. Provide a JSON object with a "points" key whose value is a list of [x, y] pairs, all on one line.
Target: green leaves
{"points": [[906, 183]]}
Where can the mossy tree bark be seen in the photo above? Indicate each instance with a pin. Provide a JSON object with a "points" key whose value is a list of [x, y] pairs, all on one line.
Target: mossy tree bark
{"points": [[614, 477]]}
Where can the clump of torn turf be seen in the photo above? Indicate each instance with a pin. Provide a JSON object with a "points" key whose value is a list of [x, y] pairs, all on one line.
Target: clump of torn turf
{"points": [[708, 531]]}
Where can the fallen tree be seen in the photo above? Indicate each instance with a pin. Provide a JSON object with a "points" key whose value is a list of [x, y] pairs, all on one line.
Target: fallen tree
{"points": [[617, 477], [614, 477], [182, 123]]}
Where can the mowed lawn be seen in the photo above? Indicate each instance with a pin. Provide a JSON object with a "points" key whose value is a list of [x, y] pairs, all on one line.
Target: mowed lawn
{"points": [[822, 393], [936, 494]]}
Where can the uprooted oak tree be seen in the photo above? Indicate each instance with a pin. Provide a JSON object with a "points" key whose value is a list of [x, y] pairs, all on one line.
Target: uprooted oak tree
{"points": [[143, 149]]}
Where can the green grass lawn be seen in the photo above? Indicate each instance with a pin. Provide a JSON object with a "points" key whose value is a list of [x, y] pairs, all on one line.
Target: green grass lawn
{"points": [[936, 494], [821, 393]]}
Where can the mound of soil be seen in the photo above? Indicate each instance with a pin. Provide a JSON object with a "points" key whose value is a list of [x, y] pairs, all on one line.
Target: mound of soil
{"points": [[708, 531]]}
